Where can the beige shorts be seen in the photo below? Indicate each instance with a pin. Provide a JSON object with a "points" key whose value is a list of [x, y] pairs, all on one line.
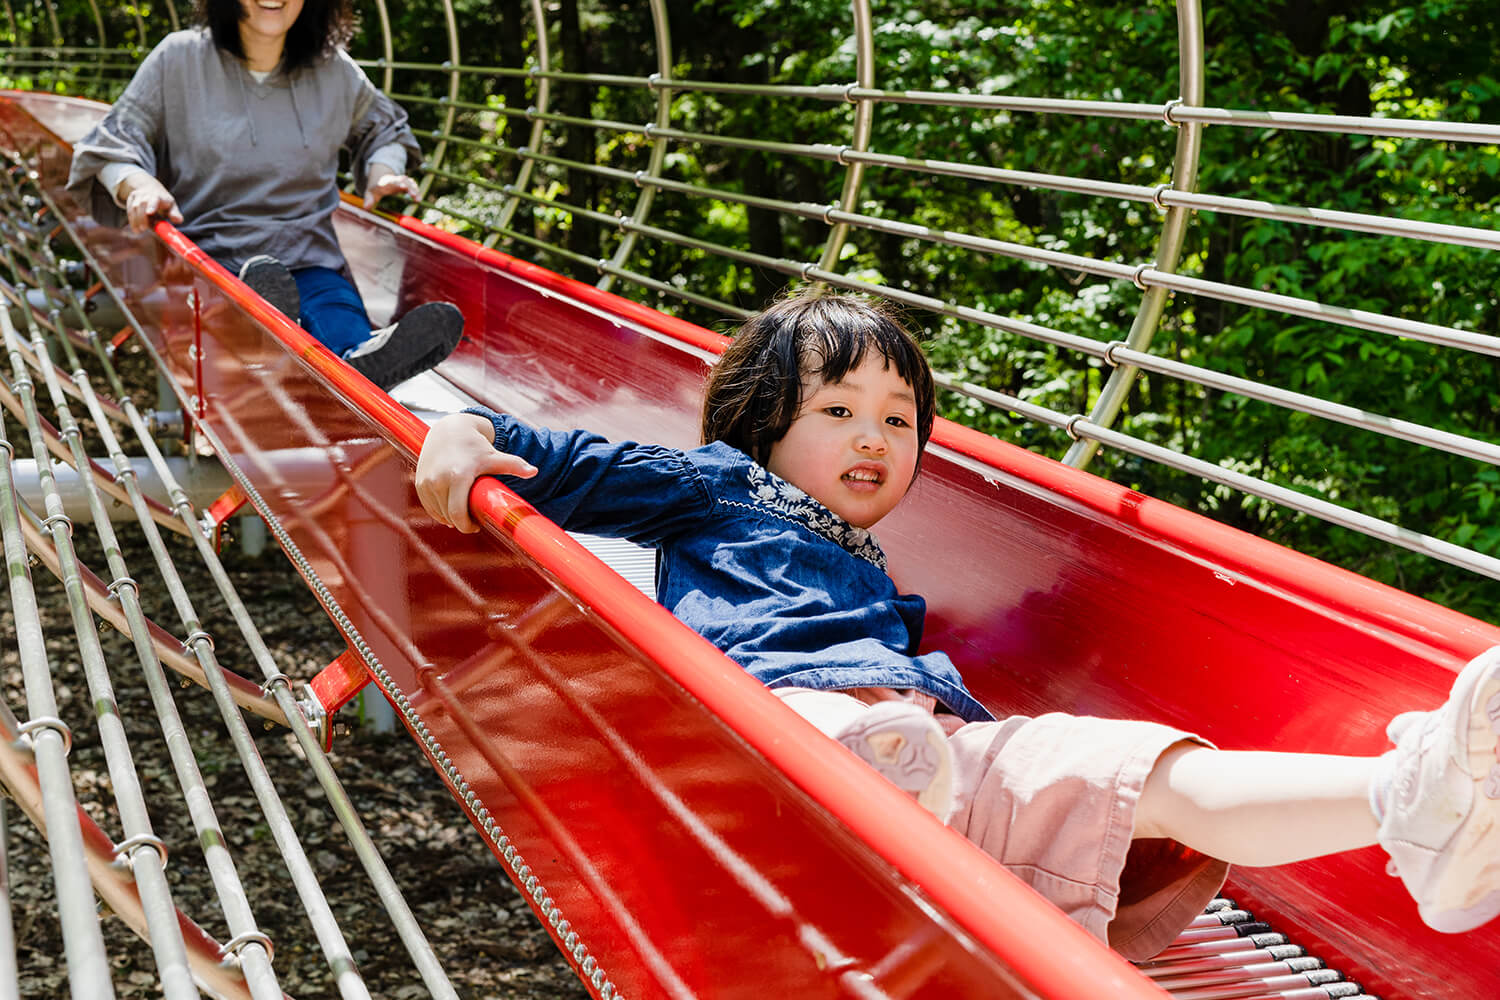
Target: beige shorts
{"points": [[1053, 799]]}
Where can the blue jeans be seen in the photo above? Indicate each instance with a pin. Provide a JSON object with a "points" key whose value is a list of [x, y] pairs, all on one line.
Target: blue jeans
{"points": [[332, 310]]}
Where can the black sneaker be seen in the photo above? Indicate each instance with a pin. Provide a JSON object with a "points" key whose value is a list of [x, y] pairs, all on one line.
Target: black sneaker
{"points": [[269, 278], [419, 341]]}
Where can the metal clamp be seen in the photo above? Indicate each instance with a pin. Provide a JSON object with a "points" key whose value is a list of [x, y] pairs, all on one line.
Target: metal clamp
{"points": [[115, 585], [1109, 352], [125, 849], [1139, 277], [1157, 193], [316, 717], [277, 678], [1166, 112], [238, 943], [194, 636], [47, 722], [47, 522], [1072, 426]]}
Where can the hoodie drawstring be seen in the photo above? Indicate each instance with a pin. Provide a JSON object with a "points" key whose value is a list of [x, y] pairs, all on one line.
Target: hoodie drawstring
{"points": [[291, 83], [249, 111]]}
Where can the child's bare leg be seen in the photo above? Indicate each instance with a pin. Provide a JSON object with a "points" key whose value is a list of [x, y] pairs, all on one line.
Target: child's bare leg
{"points": [[1254, 808], [1433, 802]]}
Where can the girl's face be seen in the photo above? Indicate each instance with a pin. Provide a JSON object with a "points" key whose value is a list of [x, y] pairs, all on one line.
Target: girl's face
{"points": [[853, 444], [268, 20]]}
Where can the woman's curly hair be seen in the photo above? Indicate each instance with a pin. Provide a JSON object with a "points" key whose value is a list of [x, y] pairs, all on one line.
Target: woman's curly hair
{"points": [[323, 27]]}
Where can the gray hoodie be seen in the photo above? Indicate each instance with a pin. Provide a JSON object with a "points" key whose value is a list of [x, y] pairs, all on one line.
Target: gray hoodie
{"points": [[253, 165]]}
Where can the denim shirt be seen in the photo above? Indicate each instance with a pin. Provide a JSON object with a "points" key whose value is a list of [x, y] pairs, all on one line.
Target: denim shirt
{"points": [[786, 588]]}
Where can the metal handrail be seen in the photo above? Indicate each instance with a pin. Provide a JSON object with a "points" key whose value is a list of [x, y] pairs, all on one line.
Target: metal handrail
{"points": [[88, 965], [1079, 427], [249, 949]]}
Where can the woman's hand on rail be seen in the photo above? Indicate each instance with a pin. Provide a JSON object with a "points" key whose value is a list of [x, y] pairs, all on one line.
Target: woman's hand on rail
{"points": [[147, 199], [383, 181], [459, 449]]}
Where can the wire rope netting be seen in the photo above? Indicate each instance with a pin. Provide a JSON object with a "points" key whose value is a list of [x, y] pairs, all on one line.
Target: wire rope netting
{"points": [[199, 804]]}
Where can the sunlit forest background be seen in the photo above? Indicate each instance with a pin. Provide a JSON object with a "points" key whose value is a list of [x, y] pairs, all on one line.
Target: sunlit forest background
{"points": [[1431, 60]]}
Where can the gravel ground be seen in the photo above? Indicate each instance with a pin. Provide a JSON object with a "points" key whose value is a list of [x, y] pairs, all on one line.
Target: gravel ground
{"points": [[487, 939]]}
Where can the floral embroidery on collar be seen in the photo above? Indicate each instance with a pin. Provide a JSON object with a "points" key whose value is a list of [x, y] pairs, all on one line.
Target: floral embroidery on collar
{"points": [[777, 494]]}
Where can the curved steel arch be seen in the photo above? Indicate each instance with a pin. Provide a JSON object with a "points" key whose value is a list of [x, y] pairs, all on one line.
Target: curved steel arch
{"points": [[387, 50], [864, 121], [541, 102], [1190, 73], [452, 65], [647, 193]]}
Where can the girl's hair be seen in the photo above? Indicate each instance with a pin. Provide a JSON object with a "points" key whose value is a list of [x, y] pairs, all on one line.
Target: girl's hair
{"points": [[323, 27], [755, 390]]}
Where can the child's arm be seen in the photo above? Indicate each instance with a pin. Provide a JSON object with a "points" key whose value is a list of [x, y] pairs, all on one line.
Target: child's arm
{"points": [[459, 449], [578, 479]]}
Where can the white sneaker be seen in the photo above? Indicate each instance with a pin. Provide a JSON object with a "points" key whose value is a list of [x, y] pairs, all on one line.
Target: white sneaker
{"points": [[906, 745], [1438, 798]]}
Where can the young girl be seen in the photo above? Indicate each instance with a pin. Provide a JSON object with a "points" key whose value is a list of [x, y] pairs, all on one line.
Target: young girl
{"points": [[815, 420]]}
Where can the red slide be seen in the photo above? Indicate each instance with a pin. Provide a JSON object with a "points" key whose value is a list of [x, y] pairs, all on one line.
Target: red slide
{"points": [[681, 832]]}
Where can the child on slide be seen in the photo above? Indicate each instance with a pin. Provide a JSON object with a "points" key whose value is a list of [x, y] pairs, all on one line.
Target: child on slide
{"points": [[814, 421]]}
